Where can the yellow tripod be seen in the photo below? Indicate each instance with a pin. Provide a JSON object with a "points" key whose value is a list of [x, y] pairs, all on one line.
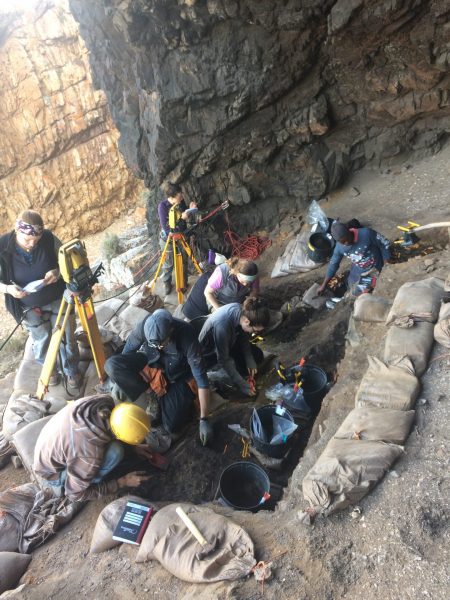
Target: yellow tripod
{"points": [[74, 268], [176, 238]]}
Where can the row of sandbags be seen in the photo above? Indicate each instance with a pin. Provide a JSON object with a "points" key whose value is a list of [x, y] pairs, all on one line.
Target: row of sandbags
{"points": [[229, 556], [372, 436]]}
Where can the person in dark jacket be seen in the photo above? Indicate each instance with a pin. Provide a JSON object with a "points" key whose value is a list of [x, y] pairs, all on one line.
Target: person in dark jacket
{"points": [[174, 198], [83, 442], [368, 251], [225, 340], [29, 254], [170, 347]]}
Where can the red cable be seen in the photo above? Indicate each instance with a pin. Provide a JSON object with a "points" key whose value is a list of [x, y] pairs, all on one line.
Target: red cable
{"points": [[249, 248]]}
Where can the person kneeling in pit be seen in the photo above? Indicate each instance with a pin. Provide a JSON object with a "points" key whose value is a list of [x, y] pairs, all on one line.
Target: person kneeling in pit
{"points": [[163, 353], [225, 340], [81, 444]]}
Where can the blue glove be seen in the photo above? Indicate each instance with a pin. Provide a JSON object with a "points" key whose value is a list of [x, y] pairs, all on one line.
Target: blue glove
{"points": [[205, 431]]}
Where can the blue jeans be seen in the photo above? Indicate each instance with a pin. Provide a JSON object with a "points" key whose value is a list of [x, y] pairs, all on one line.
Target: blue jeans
{"points": [[40, 327], [112, 457]]}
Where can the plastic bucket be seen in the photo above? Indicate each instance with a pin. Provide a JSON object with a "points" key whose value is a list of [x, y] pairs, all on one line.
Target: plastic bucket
{"points": [[265, 414], [244, 486], [315, 386], [320, 247]]}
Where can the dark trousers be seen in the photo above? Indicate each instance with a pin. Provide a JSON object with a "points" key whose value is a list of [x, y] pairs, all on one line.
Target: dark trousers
{"points": [[238, 356], [177, 406]]}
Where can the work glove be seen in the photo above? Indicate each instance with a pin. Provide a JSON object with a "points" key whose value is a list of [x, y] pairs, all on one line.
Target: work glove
{"points": [[246, 389], [205, 431]]}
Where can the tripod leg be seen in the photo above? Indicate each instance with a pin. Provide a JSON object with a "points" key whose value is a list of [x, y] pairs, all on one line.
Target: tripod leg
{"points": [[190, 254], [89, 322], [162, 260], [53, 348], [179, 271]]}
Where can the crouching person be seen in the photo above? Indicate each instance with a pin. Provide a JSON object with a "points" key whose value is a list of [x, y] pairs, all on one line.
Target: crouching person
{"points": [[82, 443], [162, 353]]}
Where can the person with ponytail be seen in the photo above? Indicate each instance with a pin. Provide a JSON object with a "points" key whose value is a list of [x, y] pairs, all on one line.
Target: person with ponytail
{"points": [[232, 281], [225, 340], [28, 254]]}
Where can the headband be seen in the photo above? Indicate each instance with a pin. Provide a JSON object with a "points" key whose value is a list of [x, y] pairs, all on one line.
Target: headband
{"points": [[28, 229], [247, 278]]}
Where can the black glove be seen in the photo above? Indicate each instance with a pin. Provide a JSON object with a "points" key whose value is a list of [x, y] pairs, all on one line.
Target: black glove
{"points": [[205, 431]]}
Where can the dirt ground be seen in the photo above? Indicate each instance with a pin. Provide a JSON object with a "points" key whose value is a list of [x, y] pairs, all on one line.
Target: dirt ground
{"points": [[397, 546]]}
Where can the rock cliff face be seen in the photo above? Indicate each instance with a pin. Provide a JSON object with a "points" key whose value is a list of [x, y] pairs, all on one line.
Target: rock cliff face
{"points": [[270, 102], [58, 144]]}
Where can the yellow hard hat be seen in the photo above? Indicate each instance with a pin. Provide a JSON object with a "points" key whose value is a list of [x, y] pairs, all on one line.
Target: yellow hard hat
{"points": [[129, 423]]}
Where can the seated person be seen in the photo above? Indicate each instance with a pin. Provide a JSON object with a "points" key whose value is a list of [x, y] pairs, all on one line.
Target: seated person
{"points": [[231, 281], [225, 340], [163, 352], [79, 446], [368, 251]]}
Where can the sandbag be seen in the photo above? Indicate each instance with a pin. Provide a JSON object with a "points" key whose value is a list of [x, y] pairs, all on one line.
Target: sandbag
{"points": [[9, 532], [392, 386], [442, 327], [24, 441], [124, 323], [21, 410], [377, 425], [415, 343], [419, 300], [371, 309], [168, 540], [311, 297], [345, 471], [107, 520], [12, 567]]}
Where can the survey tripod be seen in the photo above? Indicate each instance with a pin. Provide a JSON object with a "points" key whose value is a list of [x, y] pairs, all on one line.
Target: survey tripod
{"points": [[178, 241], [74, 269]]}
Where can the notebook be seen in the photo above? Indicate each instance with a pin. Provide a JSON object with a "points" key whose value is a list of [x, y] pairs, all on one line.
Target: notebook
{"points": [[133, 523]]}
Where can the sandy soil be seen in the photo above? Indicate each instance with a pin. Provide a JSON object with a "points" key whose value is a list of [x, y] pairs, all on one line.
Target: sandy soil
{"points": [[397, 547]]}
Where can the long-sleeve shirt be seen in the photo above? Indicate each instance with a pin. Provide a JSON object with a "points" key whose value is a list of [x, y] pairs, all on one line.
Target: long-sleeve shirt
{"points": [[219, 334], [369, 250], [182, 357], [76, 439], [163, 213]]}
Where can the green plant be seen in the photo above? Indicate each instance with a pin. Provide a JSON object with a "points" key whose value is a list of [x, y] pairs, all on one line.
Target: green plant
{"points": [[111, 246]]}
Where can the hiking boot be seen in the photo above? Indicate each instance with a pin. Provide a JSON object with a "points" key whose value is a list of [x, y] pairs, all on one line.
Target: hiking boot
{"points": [[167, 287], [74, 381], [54, 379]]}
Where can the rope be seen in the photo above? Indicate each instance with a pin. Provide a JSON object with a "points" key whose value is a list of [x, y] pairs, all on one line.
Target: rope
{"points": [[249, 248]]}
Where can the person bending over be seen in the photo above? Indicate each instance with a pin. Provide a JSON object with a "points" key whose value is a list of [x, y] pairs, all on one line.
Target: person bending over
{"points": [[27, 254], [368, 251], [225, 340], [232, 281], [163, 353], [83, 442]]}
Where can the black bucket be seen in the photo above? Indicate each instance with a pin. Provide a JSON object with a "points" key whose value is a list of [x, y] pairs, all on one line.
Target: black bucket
{"points": [[315, 386], [244, 486], [265, 415], [320, 247]]}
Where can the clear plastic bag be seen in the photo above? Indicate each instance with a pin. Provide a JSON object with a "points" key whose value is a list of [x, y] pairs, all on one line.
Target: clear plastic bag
{"points": [[275, 392], [282, 429], [317, 217]]}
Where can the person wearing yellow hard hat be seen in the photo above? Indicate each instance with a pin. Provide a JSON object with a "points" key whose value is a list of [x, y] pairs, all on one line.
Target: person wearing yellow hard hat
{"points": [[83, 442]]}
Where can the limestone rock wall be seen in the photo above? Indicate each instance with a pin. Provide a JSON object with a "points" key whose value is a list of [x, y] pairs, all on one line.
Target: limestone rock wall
{"points": [[58, 144], [270, 103]]}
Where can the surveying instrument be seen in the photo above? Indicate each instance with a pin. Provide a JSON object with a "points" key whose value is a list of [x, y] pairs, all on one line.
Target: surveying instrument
{"points": [[177, 239], [74, 268]]}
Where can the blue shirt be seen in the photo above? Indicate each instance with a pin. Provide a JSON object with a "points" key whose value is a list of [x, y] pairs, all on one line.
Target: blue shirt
{"points": [[369, 250]]}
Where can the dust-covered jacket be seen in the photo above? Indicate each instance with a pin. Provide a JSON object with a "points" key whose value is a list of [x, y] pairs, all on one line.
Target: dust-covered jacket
{"points": [[76, 439]]}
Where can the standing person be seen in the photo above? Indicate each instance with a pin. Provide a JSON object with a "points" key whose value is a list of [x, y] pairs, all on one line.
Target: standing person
{"points": [[225, 340], [368, 251], [232, 281], [163, 353], [27, 254], [81, 444], [174, 198]]}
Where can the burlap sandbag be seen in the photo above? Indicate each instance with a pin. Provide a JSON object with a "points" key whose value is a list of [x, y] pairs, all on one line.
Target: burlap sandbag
{"points": [[418, 299], [345, 471], [371, 309], [168, 540], [102, 539], [376, 425], [388, 386], [442, 327], [415, 343], [9, 532], [12, 567], [311, 297], [124, 323], [24, 441]]}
